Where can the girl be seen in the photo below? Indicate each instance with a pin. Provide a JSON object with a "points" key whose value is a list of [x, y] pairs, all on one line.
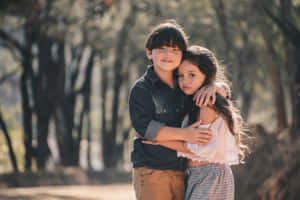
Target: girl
{"points": [[210, 175]]}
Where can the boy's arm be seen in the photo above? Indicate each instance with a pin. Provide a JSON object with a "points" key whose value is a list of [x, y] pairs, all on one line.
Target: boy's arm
{"points": [[207, 94], [174, 144], [142, 110]]}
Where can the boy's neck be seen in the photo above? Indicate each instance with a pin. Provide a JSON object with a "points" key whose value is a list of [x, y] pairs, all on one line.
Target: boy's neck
{"points": [[165, 76]]}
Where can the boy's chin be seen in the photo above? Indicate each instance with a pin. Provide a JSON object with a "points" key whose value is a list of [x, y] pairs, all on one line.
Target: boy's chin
{"points": [[168, 67], [188, 93]]}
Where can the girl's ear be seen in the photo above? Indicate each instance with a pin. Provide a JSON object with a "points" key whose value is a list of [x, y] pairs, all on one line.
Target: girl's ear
{"points": [[149, 54]]}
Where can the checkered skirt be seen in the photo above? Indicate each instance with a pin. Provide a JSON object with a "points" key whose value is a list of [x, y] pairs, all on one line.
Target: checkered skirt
{"points": [[210, 182]]}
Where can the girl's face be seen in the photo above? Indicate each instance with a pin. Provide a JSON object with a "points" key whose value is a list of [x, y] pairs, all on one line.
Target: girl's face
{"points": [[190, 78]]}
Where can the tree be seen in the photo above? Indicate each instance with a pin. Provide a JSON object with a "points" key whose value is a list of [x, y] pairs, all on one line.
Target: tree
{"points": [[9, 143]]}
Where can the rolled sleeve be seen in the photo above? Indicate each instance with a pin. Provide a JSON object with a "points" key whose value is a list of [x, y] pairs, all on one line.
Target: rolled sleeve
{"points": [[153, 129], [142, 112]]}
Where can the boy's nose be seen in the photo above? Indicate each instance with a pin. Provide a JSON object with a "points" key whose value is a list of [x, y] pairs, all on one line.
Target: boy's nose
{"points": [[185, 80]]}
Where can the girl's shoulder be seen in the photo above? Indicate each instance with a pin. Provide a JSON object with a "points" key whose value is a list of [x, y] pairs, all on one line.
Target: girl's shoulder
{"points": [[207, 115]]}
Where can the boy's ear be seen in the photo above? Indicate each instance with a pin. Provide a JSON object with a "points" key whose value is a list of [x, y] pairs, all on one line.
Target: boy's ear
{"points": [[149, 54]]}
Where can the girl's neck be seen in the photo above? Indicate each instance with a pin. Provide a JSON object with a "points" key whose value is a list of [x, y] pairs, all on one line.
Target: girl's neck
{"points": [[166, 77]]}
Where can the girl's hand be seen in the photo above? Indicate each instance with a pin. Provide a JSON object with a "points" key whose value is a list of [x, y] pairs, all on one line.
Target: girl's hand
{"points": [[205, 95]]}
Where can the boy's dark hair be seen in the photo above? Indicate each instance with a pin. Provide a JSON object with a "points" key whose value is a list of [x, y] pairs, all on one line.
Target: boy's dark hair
{"points": [[167, 34]]}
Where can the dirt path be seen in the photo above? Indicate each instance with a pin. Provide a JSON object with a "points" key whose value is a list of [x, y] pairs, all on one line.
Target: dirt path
{"points": [[86, 192]]}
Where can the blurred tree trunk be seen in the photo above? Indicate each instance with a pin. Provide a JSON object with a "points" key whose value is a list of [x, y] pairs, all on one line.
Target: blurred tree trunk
{"points": [[65, 111], [9, 144], [283, 184], [292, 34], [111, 150], [245, 84], [25, 89], [275, 75], [279, 97], [85, 113], [290, 57], [45, 86], [103, 93], [241, 85], [219, 8]]}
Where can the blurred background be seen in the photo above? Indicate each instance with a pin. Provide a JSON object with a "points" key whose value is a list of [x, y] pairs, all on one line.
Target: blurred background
{"points": [[66, 67]]}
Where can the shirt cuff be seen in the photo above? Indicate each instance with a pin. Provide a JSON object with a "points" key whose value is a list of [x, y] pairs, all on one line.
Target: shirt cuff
{"points": [[153, 129]]}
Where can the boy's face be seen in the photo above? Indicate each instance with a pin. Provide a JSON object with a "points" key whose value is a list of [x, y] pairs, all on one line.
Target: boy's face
{"points": [[190, 78], [165, 58]]}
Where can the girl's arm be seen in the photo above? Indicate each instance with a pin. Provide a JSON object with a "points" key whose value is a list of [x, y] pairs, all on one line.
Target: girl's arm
{"points": [[176, 145]]}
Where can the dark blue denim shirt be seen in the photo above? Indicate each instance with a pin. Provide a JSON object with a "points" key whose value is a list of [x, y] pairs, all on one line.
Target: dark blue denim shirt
{"points": [[152, 105]]}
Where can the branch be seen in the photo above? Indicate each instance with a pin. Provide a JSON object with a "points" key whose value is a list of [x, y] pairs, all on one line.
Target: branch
{"points": [[7, 76], [288, 29], [11, 41]]}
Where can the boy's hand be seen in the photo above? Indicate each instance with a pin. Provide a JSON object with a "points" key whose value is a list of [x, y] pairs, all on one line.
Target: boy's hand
{"points": [[205, 95], [197, 135]]}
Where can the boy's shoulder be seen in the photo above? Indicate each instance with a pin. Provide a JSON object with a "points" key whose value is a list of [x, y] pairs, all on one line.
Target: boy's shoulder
{"points": [[147, 79], [141, 86]]}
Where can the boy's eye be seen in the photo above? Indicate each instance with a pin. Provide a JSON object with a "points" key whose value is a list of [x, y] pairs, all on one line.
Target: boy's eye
{"points": [[191, 75], [180, 76]]}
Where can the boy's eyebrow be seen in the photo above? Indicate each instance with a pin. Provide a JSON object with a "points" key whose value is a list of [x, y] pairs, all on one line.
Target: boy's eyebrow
{"points": [[192, 70]]}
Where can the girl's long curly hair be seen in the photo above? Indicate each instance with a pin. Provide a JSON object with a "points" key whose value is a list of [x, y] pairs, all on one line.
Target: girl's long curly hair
{"points": [[208, 64]]}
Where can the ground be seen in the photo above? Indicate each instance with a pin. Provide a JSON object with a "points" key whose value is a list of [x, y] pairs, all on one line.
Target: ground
{"points": [[82, 192]]}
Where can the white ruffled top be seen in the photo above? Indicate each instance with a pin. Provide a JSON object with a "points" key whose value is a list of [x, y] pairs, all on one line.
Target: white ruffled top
{"points": [[221, 149]]}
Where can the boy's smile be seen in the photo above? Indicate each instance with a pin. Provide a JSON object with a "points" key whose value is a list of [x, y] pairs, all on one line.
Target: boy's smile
{"points": [[165, 58]]}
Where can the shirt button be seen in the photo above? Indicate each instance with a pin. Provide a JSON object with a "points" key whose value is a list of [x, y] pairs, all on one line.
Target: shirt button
{"points": [[165, 110], [177, 110]]}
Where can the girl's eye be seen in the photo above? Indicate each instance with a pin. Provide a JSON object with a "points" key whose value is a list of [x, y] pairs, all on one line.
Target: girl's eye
{"points": [[191, 75], [180, 76]]}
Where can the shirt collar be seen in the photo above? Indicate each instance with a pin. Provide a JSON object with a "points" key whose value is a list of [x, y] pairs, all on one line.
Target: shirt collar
{"points": [[151, 75], [154, 78]]}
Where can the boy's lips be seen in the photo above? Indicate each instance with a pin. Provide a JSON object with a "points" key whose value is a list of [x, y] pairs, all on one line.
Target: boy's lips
{"points": [[167, 61], [186, 87]]}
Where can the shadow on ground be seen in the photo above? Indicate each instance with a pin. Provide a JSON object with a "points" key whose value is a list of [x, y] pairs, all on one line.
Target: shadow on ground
{"points": [[42, 197]]}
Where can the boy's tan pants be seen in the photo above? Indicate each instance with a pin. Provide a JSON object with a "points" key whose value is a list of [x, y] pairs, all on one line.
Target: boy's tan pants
{"points": [[154, 184]]}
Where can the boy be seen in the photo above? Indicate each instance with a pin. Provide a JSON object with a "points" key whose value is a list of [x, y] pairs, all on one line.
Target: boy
{"points": [[157, 107]]}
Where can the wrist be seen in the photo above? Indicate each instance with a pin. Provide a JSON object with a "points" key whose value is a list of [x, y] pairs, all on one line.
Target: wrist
{"points": [[184, 134]]}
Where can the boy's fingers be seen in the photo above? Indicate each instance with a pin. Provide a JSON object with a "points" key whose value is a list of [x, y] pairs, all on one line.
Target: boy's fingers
{"points": [[205, 131], [201, 101], [205, 101], [196, 98], [214, 98]]}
